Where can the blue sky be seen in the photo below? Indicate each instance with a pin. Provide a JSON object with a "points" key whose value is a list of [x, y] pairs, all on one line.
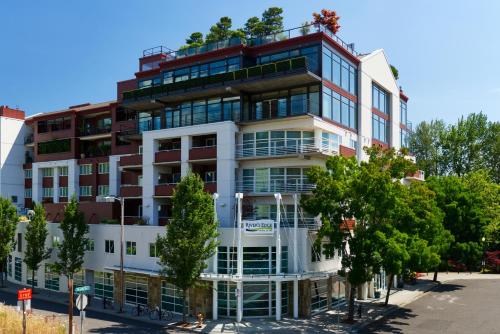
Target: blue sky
{"points": [[59, 53]]}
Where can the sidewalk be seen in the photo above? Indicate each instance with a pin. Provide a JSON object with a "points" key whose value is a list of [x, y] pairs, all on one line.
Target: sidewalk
{"points": [[325, 322]]}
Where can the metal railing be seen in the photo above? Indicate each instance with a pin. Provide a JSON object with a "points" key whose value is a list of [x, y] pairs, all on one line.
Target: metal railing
{"points": [[281, 185], [95, 131], [284, 146], [251, 41]]}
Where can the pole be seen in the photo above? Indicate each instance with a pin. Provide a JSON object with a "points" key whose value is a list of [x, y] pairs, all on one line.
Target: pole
{"points": [[122, 237], [215, 196], [70, 306], [24, 317], [295, 259], [239, 270], [81, 314], [278, 255]]}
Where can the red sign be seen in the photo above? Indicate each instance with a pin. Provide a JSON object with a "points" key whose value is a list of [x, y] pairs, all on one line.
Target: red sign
{"points": [[24, 294]]}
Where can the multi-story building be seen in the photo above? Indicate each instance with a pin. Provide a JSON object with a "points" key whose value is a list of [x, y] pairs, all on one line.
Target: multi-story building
{"points": [[250, 117]]}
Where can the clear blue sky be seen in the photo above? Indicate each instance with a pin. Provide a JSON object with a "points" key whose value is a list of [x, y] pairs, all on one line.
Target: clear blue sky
{"points": [[59, 53]]}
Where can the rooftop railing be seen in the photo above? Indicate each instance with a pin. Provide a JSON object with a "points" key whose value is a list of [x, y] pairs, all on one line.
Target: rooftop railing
{"points": [[252, 41], [279, 185]]}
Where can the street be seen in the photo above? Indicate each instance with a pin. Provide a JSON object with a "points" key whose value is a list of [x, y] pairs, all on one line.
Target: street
{"points": [[460, 306], [95, 322]]}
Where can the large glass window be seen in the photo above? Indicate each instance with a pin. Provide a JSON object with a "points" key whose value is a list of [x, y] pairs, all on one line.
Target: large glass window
{"points": [[339, 108], [226, 299], [18, 269], [311, 54], [275, 180], [330, 141], [380, 128], [103, 284], [172, 298], [380, 99], [405, 136], [319, 295], [136, 290], [51, 279], [403, 112], [203, 70], [339, 71]]}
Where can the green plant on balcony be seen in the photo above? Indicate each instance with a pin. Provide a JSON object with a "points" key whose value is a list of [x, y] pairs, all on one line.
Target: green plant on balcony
{"points": [[110, 221]]}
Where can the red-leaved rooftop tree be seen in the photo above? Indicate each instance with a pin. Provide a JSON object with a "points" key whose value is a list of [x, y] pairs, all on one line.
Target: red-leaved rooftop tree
{"points": [[328, 18]]}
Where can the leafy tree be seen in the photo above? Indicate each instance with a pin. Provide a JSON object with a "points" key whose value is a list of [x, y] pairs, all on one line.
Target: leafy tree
{"points": [[491, 150], [190, 237], [426, 145], [72, 248], [395, 72], [36, 234], [329, 19], [253, 27], [366, 192], [195, 39], [8, 223]]}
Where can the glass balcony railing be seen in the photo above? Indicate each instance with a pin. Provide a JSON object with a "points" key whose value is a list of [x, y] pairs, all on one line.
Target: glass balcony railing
{"points": [[285, 146], [253, 41], [279, 185], [259, 71]]}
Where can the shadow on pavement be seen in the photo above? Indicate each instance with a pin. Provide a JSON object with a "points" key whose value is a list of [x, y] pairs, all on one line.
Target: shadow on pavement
{"points": [[448, 287], [387, 323]]}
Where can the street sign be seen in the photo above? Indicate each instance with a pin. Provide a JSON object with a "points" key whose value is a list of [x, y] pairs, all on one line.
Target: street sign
{"points": [[81, 302], [82, 289], [24, 294]]}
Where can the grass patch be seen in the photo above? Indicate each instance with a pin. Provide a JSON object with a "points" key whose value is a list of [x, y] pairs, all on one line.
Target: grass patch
{"points": [[11, 322]]}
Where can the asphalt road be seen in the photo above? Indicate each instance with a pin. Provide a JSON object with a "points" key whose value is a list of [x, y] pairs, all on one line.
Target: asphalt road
{"points": [[461, 306], [95, 322]]}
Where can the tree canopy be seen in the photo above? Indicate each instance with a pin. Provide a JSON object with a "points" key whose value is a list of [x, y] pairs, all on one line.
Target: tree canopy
{"points": [[8, 224], [36, 235], [190, 236]]}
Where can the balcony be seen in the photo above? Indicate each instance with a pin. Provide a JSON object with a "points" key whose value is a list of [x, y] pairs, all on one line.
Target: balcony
{"points": [[203, 153], [284, 148], [93, 133], [165, 189], [168, 156], [254, 41], [29, 140], [134, 160], [271, 76], [131, 190], [288, 185]]}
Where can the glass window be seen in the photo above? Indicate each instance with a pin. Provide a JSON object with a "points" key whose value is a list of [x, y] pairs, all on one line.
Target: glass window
{"points": [[51, 279], [28, 192], [152, 250], [86, 169], [103, 190], [90, 245], [28, 173], [47, 192], [217, 67], [131, 248], [47, 172], [85, 191], [63, 171], [172, 298], [18, 269], [136, 290], [103, 285], [380, 99], [63, 191], [109, 246], [403, 112], [214, 110], [103, 168]]}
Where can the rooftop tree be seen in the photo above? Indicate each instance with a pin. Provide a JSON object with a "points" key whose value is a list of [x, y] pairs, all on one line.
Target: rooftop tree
{"points": [[8, 223], [328, 18], [36, 235], [190, 236]]}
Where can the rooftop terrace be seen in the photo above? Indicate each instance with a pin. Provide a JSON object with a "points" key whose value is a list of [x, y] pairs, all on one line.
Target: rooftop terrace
{"points": [[253, 41]]}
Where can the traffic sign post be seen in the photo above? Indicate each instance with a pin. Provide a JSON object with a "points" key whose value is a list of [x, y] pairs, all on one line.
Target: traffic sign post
{"points": [[81, 303], [24, 295]]}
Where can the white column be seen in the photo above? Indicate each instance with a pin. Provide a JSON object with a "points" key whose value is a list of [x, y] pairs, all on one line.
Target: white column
{"points": [[55, 184], [295, 258], [318, 133], [239, 270], [226, 166], [215, 306], [114, 175], [36, 183], [185, 146], [278, 233], [149, 177], [278, 300], [73, 178]]}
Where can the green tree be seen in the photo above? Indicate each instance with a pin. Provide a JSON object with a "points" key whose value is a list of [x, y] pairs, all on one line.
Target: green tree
{"points": [[272, 20], [190, 237], [220, 31], [36, 234], [426, 145], [8, 224], [491, 150], [195, 39], [366, 192], [395, 72], [72, 248], [254, 27]]}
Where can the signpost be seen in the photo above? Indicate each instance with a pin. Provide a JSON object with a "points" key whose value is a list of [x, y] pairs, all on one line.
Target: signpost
{"points": [[24, 295], [81, 302]]}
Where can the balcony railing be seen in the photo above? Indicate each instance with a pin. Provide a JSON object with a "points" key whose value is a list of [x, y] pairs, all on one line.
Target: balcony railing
{"points": [[243, 74], [95, 131], [288, 185], [253, 41], [284, 147]]}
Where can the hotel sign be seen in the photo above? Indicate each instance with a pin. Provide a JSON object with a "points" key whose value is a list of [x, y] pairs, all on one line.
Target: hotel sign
{"points": [[258, 227]]}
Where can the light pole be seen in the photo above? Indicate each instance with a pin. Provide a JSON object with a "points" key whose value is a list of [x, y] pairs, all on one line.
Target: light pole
{"points": [[122, 237]]}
